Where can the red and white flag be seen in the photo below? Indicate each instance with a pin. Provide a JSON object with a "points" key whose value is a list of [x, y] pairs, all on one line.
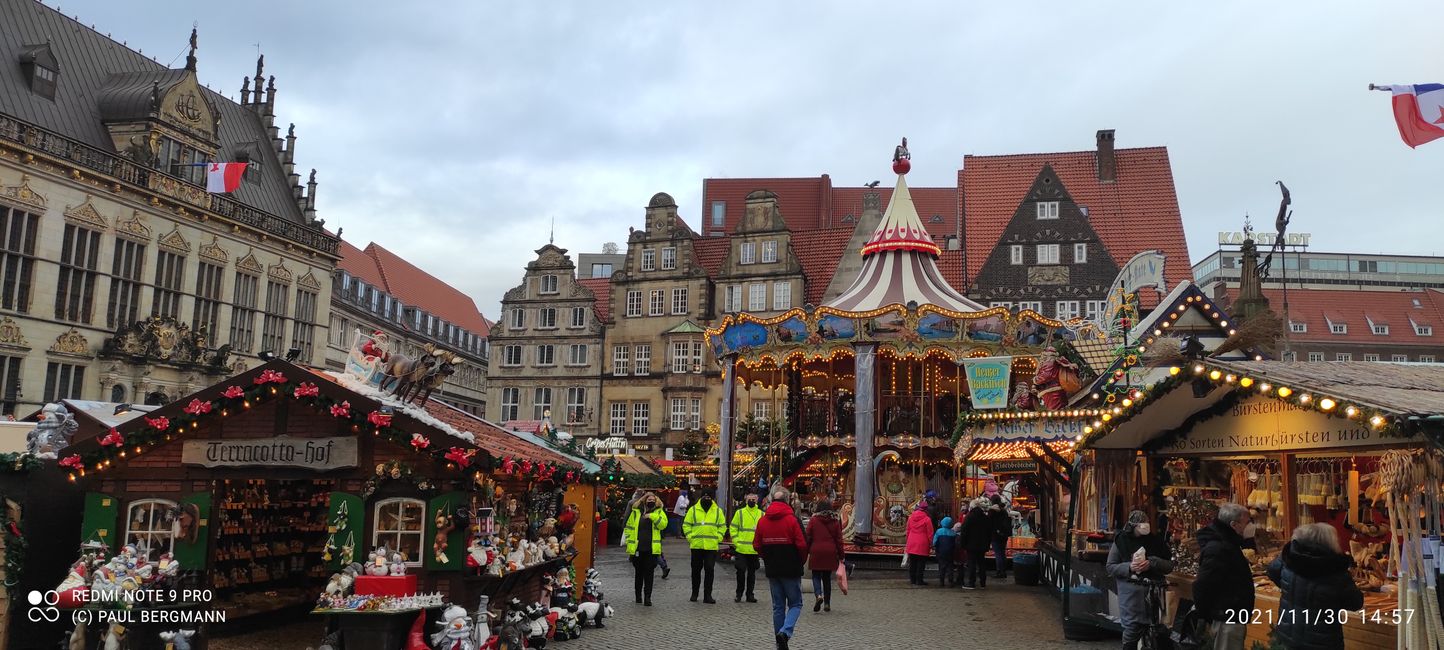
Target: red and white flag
{"points": [[223, 178], [1419, 111]]}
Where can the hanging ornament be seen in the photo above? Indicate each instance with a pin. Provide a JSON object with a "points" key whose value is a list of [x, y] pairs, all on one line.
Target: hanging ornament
{"points": [[270, 377], [419, 441], [307, 389], [72, 462], [379, 419], [233, 392], [159, 424], [462, 457], [198, 407], [342, 410], [113, 439]]}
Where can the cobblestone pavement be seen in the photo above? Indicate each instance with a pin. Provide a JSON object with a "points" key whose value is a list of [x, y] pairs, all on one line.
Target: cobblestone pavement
{"points": [[880, 611]]}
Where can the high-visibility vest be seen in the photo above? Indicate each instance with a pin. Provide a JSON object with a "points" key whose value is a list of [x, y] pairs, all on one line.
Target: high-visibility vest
{"points": [[744, 526], [658, 518], [704, 528]]}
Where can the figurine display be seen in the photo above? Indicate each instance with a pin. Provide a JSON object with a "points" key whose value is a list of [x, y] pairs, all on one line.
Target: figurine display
{"points": [[456, 631], [177, 639], [378, 562], [567, 625], [398, 565], [594, 612], [341, 581], [121, 579], [445, 523], [366, 603], [592, 587], [52, 433]]}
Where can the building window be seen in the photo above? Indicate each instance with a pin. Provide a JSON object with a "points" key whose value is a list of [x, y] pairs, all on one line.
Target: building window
{"points": [[546, 355], [518, 318], [303, 333], [208, 298], [1426, 358], [1036, 306], [1291, 356], [781, 295], [697, 356], [169, 268], [1344, 356], [769, 251], [696, 417], [679, 414], [649, 259], [621, 360], [1419, 330], [541, 406], [547, 318], [1381, 330], [511, 355], [681, 360], [1093, 309], [641, 418], [1047, 253], [1047, 209], [634, 303], [719, 214], [1399, 358], [669, 258], [63, 381], [1015, 254], [576, 405], [600, 270], [1080, 253], [1067, 309], [17, 257], [397, 525], [762, 409], [243, 312], [548, 284], [1316, 356], [644, 359], [510, 403], [579, 317], [1298, 328], [1339, 328], [618, 424], [273, 326], [732, 300], [748, 253], [757, 296], [656, 302], [181, 161], [679, 300], [9, 384], [577, 354], [1371, 357], [150, 526], [75, 290]]}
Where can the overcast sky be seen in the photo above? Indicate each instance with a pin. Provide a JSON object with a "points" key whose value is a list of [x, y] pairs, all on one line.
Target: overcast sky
{"points": [[453, 133]]}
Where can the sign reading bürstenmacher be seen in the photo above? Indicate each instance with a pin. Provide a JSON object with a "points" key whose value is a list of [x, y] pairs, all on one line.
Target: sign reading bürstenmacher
{"points": [[1260, 424], [319, 454]]}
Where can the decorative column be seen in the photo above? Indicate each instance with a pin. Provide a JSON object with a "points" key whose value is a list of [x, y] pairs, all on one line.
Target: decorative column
{"points": [[865, 405], [724, 438]]}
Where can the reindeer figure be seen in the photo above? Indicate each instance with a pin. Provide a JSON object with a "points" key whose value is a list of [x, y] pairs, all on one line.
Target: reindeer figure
{"points": [[402, 371], [421, 390]]}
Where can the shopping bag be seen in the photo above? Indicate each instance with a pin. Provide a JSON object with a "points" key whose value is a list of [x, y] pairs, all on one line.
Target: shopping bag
{"points": [[842, 578], [905, 559]]}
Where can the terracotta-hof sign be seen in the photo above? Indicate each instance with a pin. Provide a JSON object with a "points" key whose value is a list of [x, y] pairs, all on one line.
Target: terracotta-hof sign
{"points": [[1263, 424], [319, 454]]}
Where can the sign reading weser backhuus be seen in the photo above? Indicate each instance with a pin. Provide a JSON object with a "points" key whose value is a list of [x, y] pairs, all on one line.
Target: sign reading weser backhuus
{"points": [[1260, 424], [320, 454]]}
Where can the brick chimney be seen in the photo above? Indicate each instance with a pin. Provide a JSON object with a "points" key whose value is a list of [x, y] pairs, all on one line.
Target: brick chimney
{"points": [[1107, 161]]}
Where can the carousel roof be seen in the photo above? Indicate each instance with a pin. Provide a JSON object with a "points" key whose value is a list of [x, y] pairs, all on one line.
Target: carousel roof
{"points": [[900, 265]]}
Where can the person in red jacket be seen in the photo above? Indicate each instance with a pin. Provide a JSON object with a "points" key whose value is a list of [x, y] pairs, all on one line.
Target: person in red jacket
{"points": [[783, 549], [919, 544], [824, 551]]}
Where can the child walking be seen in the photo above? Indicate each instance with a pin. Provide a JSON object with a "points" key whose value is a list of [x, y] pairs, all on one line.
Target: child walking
{"points": [[945, 544]]}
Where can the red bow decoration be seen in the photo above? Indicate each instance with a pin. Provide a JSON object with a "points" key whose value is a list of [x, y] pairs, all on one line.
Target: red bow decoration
{"points": [[72, 461], [234, 392], [270, 377], [112, 439], [14, 530], [508, 466], [342, 410], [569, 476], [419, 441], [526, 467], [197, 407], [307, 389], [546, 472], [462, 457], [379, 419], [159, 424]]}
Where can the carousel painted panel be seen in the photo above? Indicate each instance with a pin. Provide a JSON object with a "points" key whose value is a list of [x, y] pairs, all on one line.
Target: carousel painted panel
{"points": [[792, 331], [890, 325]]}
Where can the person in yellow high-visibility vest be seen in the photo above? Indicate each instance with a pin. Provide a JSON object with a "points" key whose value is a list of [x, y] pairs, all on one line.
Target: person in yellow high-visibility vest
{"points": [[704, 525], [742, 530], [645, 521]]}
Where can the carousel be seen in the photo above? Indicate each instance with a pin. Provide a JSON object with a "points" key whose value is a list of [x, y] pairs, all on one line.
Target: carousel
{"points": [[877, 379]]}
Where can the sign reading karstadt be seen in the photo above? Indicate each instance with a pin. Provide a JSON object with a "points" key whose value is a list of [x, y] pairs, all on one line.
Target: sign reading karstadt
{"points": [[318, 454]]}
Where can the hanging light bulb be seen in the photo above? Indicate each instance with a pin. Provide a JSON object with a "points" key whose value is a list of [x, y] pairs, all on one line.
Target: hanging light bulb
{"points": [[1326, 404], [1285, 391]]}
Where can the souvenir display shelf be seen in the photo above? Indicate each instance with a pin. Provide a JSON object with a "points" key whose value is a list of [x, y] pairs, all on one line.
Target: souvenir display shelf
{"points": [[269, 541]]}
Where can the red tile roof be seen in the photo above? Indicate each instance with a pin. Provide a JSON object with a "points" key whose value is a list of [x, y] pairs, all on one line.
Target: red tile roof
{"points": [[950, 264], [1397, 309], [802, 200], [416, 287], [710, 252], [602, 292], [493, 438], [360, 265], [818, 250], [1137, 212], [937, 206]]}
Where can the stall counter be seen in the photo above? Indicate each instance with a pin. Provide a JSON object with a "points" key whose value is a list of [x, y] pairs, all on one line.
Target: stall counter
{"points": [[1358, 633]]}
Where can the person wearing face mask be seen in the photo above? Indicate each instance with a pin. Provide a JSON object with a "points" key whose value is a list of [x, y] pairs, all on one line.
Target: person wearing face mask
{"points": [[742, 531], [645, 522], [1225, 579], [704, 526], [1125, 565]]}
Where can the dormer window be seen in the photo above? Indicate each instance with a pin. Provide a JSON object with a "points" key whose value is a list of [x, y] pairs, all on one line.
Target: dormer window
{"points": [[1339, 328], [41, 69]]}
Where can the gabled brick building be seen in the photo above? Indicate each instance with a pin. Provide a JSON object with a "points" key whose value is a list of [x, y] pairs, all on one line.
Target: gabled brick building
{"points": [[1356, 325]]}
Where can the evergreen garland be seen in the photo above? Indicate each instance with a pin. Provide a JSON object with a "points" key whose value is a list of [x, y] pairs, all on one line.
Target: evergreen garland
{"points": [[18, 463], [15, 551]]}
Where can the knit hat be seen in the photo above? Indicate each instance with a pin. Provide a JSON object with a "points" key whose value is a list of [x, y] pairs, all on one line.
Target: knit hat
{"points": [[1134, 518]]}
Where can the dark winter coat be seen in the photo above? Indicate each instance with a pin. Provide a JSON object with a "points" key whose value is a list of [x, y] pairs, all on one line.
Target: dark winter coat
{"points": [[1133, 597], [977, 531], [1225, 579], [780, 542], [824, 541], [1314, 583], [1002, 523]]}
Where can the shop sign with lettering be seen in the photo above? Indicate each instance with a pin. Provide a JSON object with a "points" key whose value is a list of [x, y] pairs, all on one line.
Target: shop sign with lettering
{"points": [[1013, 467], [320, 454], [1264, 424], [1041, 430]]}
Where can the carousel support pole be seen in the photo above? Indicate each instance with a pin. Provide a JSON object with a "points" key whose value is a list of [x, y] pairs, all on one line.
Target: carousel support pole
{"points": [[724, 438], [864, 422]]}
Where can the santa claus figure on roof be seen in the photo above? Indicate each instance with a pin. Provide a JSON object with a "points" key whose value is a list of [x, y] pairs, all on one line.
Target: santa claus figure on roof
{"points": [[375, 347], [1055, 380]]}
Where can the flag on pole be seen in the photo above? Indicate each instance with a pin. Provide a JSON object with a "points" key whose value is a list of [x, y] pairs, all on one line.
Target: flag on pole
{"points": [[1419, 110], [222, 178]]}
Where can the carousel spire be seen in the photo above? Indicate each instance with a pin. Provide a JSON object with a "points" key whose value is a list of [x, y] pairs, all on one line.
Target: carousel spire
{"points": [[901, 229]]}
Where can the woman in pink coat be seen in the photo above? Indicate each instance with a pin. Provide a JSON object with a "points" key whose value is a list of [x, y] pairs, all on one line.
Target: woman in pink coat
{"points": [[919, 543]]}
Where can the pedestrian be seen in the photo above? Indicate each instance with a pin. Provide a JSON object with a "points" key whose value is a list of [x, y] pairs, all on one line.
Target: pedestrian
{"points": [[1002, 530], [645, 521], [976, 537], [945, 545], [919, 543], [824, 552], [1225, 578], [1126, 566], [704, 526], [679, 512], [783, 548], [1312, 573], [744, 555]]}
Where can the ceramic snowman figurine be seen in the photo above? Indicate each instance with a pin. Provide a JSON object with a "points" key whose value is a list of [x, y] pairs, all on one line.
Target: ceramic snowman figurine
{"points": [[398, 565], [378, 562], [455, 632]]}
